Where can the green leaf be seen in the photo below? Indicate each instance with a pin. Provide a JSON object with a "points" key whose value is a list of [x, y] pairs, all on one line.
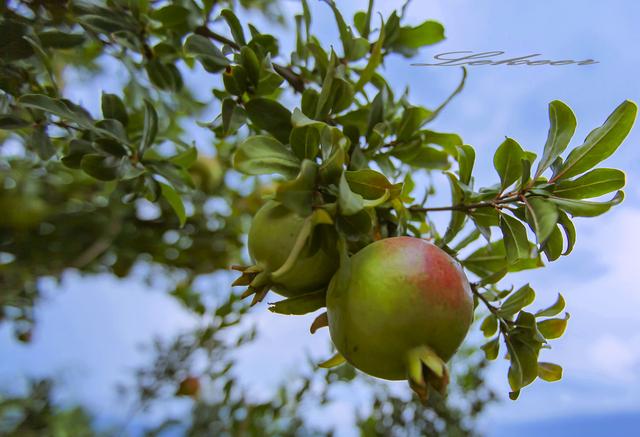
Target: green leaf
{"points": [[60, 40], [428, 33], [261, 154], [208, 54], [175, 201], [549, 372], [113, 107], [305, 141], [9, 121], [41, 142], [374, 61], [419, 155], [491, 348], [553, 246], [233, 116], [370, 184], [326, 98], [515, 369], [601, 142], [185, 159], [103, 168], [62, 108], [515, 238], [456, 223], [553, 328], [299, 305], [489, 325], [165, 76], [13, 46], [269, 115], [554, 309], [150, 128], [349, 202], [569, 230], [466, 160], [542, 216], [297, 195], [234, 26], [412, 119], [584, 208], [170, 16], [592, 184], [523, 297], [508, 162], [563, 126]]}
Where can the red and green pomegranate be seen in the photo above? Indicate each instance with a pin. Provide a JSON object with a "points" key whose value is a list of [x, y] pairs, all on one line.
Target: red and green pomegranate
{"points": [[400, 295], [274, 232]]}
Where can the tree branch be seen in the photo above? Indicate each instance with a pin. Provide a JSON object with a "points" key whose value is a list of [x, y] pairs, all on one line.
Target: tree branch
{"points": [[496, 203]]}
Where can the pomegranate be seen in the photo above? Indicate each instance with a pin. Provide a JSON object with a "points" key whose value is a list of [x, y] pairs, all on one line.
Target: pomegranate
{"points": [[400, 295], [274, 232]]}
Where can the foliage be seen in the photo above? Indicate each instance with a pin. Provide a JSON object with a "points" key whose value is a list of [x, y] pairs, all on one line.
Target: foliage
{"points": [[344, 148]]}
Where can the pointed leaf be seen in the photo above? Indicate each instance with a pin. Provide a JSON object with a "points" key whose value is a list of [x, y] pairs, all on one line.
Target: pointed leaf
{"points": [[601, 142], [563, 126]]}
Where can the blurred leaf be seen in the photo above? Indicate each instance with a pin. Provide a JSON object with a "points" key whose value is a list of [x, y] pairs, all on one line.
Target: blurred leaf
{"points": [[150, 128], [209, 55], [261, 154], [113, 107], [570, 231], [9, 121], [234, 26], [62, 108], [41, 142], [271, 116], [60, 40], [103, 168], [171, 15], [174, 199]]}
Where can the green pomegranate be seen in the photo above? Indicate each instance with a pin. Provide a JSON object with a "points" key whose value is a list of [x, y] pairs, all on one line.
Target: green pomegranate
{"points": [[272, 237], [207, 174], [400, 294]]}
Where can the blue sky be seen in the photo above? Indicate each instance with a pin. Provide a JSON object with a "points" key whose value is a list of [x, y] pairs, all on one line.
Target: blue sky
{"points": [[93, 348]]}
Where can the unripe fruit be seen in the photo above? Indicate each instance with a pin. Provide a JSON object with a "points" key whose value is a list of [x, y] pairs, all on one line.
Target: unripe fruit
{"points": [[400, 294], [22, 213], [272, 237], [207, 174]]}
